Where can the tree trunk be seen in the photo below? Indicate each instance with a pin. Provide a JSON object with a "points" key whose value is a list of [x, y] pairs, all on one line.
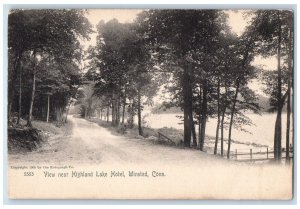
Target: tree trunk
{"points": [[90, 102], [277, 134], [289, 96], [288, 122], [59, 114], [113, 112], [67, 112], [192, 124], [204, 115], [292, 97], [107, 114], [199, 119], [231, 118], [130, 114], [16, 67], [187, 108], [118, 111], [277, 137], [123, 111], [222, 131], [32, 98], [48, 108], [20, 96], [292, 90], [193, 133], [85, 112], [139, 113], [199, 131], [218, 120]]}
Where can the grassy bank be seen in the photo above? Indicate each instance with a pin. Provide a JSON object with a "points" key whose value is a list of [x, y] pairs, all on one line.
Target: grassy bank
{"points": [[176, 135], [148, 133], [52, 128], [23, 139]]}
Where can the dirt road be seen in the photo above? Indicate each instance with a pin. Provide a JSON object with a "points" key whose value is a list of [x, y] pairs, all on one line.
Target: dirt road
{"points": [[90, 143], [187, 173]]}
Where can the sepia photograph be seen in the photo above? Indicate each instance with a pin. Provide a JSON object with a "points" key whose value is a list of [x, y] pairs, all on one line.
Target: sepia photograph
{"points": [[165, 104]]}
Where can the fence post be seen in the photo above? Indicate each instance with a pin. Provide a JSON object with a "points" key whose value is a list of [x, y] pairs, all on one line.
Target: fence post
{"points": [[235, 154], [267, 152], [250, 155]]}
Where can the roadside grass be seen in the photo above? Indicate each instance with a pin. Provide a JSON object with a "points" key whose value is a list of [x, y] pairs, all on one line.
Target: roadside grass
{"points": [[52, 129], [148, 133], [22, 139], [176, 135], [47, 127]]}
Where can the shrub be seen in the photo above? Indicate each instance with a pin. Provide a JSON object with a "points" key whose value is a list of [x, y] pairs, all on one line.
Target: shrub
{"points": [[121, 129]]}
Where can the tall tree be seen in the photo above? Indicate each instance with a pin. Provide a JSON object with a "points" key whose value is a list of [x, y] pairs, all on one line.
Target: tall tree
{"points": [[176, 35], [122, 58], [272, 28], [51, 32]]}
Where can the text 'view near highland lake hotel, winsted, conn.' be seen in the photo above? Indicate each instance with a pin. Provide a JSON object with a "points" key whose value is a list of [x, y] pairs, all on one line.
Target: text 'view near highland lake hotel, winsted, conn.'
{"points": [[138, 101]]}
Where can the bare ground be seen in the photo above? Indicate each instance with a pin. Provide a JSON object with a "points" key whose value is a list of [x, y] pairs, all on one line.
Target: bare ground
{"points": [[191, 173], [90, 143]]}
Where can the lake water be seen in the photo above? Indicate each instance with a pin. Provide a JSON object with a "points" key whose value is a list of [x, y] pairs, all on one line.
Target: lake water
{"points": [[262, 132]]}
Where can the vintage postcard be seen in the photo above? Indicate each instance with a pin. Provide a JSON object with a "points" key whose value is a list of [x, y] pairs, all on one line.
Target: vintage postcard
{"points": [[188, 104]]}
